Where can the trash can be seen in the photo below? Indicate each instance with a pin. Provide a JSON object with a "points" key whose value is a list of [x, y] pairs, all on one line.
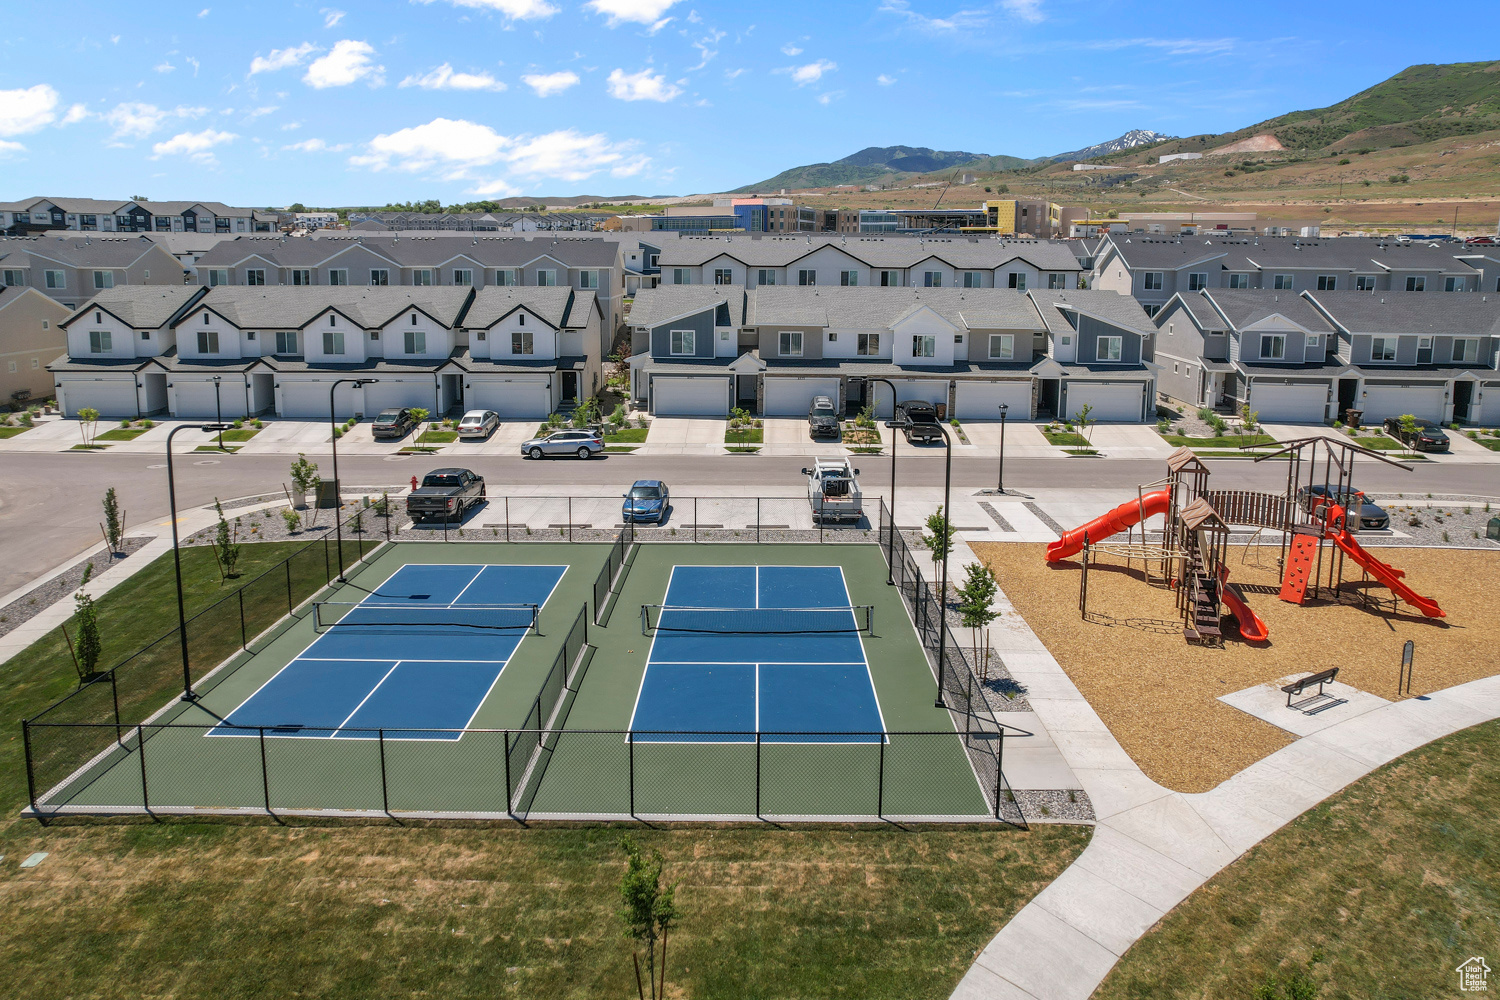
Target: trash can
{"points": [[942, 412], [1492, 530], [1353, 417], [328, 494]]}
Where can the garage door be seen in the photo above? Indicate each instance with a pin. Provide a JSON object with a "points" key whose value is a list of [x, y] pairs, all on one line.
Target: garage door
{"points": [[413, 392], [934, 391], [309, 401], [193, 399], [690, 397], [792, 397], [1422, 401], [1110, 401], [1298, 403], [981, 400], [527, 399], [112, 398]]}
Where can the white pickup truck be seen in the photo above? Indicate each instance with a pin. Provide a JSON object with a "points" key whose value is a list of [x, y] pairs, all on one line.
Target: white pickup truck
{"points": [[833, 491]]}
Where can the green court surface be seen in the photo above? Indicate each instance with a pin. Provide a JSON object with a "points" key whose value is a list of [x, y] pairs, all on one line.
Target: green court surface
{"points": [[586, 765]]}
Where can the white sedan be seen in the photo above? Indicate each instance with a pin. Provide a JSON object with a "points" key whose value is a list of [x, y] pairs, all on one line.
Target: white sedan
{"points": [[478, 424]]}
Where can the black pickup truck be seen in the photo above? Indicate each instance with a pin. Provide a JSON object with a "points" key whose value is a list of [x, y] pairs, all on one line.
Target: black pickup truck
{"points": [[920, 422], [445, 494]]}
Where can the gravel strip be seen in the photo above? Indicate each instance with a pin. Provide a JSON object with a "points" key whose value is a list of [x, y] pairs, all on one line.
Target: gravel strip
{"points": [[1058, 805], [994, 514], [1045, 518], [63, 585]]}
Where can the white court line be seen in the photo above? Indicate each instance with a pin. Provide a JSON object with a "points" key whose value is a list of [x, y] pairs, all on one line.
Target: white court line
{"points": [[773, 663], [476, 576], [366, 698], [874, 691], [649, 651], [383, 659]]}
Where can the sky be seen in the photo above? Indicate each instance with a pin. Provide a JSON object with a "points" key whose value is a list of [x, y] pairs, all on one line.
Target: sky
{"points": [[334, 103]]}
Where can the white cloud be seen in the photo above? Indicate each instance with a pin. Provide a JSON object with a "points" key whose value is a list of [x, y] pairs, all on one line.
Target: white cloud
{"points": [[547, 84], [732, 74], [1172, 46], [706, 50], [516, 10], [642, 86], [197, 145], [317, 146], [960, 20], [282, 58], [76, 113], [885, 80], [23, 111], [1029, 11], [10, 148], [203, 12], [443, 78], [191, 62], [830, 97], [455, 149], [290, 126], [258, 112], [790, 50], [135, 120], [164, 67], [811, 73], [637, 11], [331, 17], [348, 62]]}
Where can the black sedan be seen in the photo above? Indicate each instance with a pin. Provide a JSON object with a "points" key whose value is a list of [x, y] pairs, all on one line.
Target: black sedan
{"points": [[1427, 437], [1371, 516], [393, 423]]}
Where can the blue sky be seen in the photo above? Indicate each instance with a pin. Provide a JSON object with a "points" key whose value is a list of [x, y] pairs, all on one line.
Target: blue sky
{"points": [[335, 103]]}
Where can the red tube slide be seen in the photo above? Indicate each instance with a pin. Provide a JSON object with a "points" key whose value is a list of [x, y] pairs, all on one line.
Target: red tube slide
{"points": [[1384, 572], [1252, 629], [1127, 514]]}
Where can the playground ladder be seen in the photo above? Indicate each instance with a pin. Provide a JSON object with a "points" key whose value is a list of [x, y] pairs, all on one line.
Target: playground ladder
{"points": [[1300, 560]]}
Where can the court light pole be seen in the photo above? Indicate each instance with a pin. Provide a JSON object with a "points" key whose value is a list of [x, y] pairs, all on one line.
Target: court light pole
{"points": [[333, 441], [947, 547], [187, 673], [1000, 486]]}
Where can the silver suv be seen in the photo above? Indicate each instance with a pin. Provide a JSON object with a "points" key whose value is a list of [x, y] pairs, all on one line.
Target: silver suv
{"points": [[584, 444]]}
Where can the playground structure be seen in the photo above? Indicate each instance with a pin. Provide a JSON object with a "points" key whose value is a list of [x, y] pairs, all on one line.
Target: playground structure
{"points": [[1317, 530]]}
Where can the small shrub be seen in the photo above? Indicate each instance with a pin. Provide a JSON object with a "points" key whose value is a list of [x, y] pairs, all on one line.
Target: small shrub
{"points": [[292, 519], [237, 424], [1445, 535], [125, 424]]}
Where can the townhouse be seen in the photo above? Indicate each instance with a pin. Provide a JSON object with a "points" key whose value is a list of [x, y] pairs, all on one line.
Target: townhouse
{"points": [[1153, 269], [195, 352], [36, 215], [71, 269], [31, 335], [1309, 357], [702, 349]]}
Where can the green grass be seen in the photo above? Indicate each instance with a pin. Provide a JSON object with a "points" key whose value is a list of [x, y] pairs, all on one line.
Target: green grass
{"points": [[620, 449], [416, 449], [122, 434], [228, 449], [1065, 439], [1227, 441], [627, 435], [1378, 892], [240, 433], [437, 437], [750, 435], [1377, 442], [10, 432], [89, 447], [1493, 444]]}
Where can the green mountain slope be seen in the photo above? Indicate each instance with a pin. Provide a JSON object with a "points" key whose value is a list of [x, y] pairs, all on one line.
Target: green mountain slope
{"points": [[871, 164]]}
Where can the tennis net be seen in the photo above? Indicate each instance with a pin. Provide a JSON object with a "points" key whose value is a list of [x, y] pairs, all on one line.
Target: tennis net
{"points": [[503, 617], [756, 621]]}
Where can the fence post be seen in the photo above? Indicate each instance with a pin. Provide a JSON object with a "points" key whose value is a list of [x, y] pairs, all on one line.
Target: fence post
{"points": [[30, 772], [880, 781], [140, 749], [385, 797], [999, 772], [757, 519], [630, 740], [114, 692], [265, 773], [507, 538], [288, 565], [570, 518], [327, 567], [508, 792], [695, 519], [757, 774]]}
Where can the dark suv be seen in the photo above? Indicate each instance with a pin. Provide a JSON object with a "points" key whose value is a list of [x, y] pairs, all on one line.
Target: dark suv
{"points": [[395, 422], [1371, 515], [1428, 437], [822, 418]]}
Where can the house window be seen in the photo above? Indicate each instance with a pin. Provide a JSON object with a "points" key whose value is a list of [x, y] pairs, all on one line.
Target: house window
{"points": [[682, 276], [14, 278], [333, 341], [204, 314], [1382, 348], [104, 279], [208, 341], [723, 276], [832, 337], [791, 343], [380, 276], [1109, 348], [590, 279], [1416, 283], [765, 276], [890, 279], [1239, 281], [932, 279], [972, 280], [1313, 350], [1273, 346], [1002, 347], [1364, 282], [548, 277], [1151, 281], [286, 342], [416, 341], [421, 276], [1016, 280], [1055, 281], [255, 276], [55, 279], [684, 341], [1152, 310], [1197, 281], [338, 276], [807, 276], [506, 276], [375, 336], [923, 347], [1283, 282], [145, 334], [869, 345], [1328, 282], [1466, 350], [303, 276], [99, 342], [849, 278], [1454, 283], [463, 276]]}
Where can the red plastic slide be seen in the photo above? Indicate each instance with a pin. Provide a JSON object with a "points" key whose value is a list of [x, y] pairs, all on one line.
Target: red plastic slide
{"points": [[1129, 513], [1252, 629], [1385, 573]]}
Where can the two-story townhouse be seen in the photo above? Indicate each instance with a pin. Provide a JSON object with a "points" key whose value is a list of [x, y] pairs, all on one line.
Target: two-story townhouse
{"points": [[113, 343], [1434, 357], [1099, 346], [1153, 269], [72, 269], [31, 336], [687, 359], [1484, 260], [35, 215], [531, 350]]}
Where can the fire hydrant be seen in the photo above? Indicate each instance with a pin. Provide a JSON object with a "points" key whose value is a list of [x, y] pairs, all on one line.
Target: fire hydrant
{"points": [[414, 482]]}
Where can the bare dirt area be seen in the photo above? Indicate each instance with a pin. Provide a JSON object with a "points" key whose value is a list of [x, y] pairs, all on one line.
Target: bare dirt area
{"points": [[1158, 694]]}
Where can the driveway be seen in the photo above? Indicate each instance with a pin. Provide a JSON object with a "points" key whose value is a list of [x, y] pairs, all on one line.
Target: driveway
{"points": [[506, 440], [1129, 441], [51, 434], [788, 436], [1022, 440], [685, 436], [288, 437]]}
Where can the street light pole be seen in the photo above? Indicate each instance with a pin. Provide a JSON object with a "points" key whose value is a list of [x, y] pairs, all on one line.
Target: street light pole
{"points": [[333, 441], [1000, 488], [947, 547], [219, 411], [187, 673], [890, 555]]}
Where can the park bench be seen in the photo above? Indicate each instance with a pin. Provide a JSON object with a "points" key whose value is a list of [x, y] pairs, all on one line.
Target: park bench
{"points": [[1299, 686]]}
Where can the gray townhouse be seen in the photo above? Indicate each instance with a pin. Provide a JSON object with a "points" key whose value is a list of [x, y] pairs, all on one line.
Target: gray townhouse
{"points": [[1308, 357], [196, 352], [830, 260], [1155, 268], [36, 215], [701, 349], [71, 269]]}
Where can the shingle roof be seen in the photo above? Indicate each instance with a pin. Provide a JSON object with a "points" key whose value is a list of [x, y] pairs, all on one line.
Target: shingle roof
{"points": [[143, 307], [654, 306], [879, 308], [416, 251], [93, 251], [1119, 310], [965, 253], [1466, 314], [1199, 309], [1353, 254], [1246, 306], [558, 306], [291, 307]]}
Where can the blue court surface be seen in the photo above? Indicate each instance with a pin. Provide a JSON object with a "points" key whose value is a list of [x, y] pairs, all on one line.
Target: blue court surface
{"points": [[407, 658], [722, 686]]}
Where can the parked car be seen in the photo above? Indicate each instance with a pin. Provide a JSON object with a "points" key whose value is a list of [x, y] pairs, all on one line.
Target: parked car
{"points": [[648, 500], [445, 493], [395, 422], [1370, 515], [833, 491], [919, 420], [1428, 437], [584, 444], [1482, 241], [822, 418], [478, 424]]}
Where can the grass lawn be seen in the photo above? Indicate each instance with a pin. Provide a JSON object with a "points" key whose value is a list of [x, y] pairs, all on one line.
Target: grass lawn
{"points": [[621, 449], [437, 437], [1065, 439], [122, 434], [228, 449], [1379, 892], [627, 435], [1493, 444], [751, 435], [89, 447], [1228, 441], [10, 432], [241, 433], [1377, 442]]}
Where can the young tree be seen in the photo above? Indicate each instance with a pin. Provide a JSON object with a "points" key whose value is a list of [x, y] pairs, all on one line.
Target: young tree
{"points": [[88, 421], [975, 595], [586, 413], [1086, 422], [649, 911], [940, 534], [304, 479], [419, 415], [226, 541], [90, 645], [1409, 432], [114, 529], [1249, 420]]}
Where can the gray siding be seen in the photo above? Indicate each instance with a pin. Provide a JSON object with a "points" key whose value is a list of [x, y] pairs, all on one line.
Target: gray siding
{"points": [[703, 343], [812, 341], [1089, 332]]}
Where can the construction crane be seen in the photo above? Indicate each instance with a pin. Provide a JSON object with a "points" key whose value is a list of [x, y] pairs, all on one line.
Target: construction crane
{"points": [[944, 191]]}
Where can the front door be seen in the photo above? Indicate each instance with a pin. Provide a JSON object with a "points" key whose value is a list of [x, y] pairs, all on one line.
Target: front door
{"points": [[1463, 395], [1348, 390], [570, 387]]}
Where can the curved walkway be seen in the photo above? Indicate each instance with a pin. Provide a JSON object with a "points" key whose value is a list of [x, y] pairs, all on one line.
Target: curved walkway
{"points": [[1153, 846]]}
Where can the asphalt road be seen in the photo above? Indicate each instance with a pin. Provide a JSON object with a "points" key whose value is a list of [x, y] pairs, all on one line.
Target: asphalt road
{"points": [[50, 502]]}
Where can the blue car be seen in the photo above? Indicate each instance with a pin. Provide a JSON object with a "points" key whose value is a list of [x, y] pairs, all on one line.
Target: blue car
{"points": [[648, 500]]}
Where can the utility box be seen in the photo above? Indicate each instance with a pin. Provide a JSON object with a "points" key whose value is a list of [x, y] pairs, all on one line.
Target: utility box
{"points": [[328, 494], [1492, 530]]}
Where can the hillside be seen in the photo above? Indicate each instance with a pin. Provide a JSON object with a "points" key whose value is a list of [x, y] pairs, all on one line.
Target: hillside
{"points": [[870, 165], [1130, 140]]}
